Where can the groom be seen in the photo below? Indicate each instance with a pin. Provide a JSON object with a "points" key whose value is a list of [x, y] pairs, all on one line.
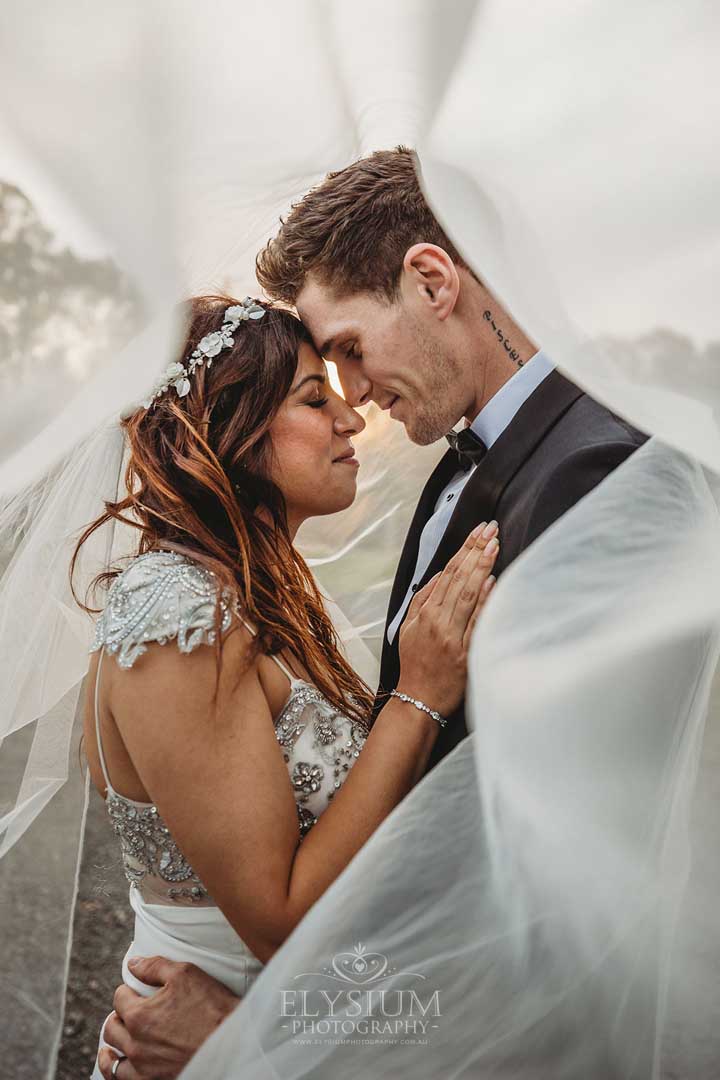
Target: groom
{"points": [[388, 298]]}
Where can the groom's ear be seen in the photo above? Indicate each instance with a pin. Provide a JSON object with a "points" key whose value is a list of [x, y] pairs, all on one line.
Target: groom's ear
{"points": [[430, 277]]}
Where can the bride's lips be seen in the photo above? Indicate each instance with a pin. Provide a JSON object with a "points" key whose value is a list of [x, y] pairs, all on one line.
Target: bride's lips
{"points": [[348, 458]]}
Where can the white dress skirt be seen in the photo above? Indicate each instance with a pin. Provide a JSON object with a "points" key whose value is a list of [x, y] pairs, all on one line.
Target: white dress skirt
{"points": [[196, 935]]}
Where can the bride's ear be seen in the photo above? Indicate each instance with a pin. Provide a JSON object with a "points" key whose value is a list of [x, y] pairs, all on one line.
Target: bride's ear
{"points": [[430, 277]]}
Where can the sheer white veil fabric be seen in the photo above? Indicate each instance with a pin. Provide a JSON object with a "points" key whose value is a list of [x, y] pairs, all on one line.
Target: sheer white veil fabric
{"points": [[540, 879], [530, 889]]}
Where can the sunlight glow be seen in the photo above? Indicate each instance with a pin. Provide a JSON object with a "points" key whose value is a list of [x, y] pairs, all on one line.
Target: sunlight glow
{"points": [[334, 378]]}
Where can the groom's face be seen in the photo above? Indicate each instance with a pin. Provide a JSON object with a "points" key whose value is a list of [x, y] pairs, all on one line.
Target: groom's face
{"points": [[387, 353]]}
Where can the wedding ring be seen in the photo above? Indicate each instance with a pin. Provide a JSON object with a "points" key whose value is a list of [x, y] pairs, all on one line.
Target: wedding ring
{"points": [[116, 1066]]}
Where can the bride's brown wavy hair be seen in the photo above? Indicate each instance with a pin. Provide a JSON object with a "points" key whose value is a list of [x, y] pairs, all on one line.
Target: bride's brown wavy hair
{"points": [[199, 472]]}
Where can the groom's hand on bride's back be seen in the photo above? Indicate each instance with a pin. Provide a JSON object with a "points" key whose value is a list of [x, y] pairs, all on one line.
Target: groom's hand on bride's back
{"points": [[435, 636], [160, 1034]]}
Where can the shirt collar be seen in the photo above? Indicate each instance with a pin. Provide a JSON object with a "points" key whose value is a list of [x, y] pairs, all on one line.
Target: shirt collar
{"points": [[495, 416]]}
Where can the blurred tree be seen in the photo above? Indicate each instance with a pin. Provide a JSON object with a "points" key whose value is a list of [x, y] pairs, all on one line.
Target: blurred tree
{"points": [[56, 309]]}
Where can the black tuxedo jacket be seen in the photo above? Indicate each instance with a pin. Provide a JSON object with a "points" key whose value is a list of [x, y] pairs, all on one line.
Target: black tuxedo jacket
{"points": [[558, 447]]}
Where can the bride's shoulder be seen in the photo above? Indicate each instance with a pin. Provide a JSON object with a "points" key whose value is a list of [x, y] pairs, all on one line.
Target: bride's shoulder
{"points": [[162, 596]]}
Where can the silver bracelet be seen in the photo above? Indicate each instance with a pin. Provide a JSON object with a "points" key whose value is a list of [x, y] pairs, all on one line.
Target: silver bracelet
{"points": [[420, 705]]}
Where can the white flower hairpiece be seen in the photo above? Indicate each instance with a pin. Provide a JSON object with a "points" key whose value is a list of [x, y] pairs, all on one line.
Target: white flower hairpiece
{"points": [[178, 375]]}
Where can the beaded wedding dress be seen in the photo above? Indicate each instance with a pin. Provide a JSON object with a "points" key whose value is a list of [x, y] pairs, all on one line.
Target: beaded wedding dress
{"points": [[167, 598]]}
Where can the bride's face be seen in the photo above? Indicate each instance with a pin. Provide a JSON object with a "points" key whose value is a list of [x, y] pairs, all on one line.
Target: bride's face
{"points": [[313, 459]]}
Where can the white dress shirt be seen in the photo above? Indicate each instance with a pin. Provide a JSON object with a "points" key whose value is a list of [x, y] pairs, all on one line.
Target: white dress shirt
{"points": [[489, 424]]}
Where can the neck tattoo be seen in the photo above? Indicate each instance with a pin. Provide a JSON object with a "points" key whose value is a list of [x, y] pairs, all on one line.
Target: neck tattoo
{"points": [[502, 338]]}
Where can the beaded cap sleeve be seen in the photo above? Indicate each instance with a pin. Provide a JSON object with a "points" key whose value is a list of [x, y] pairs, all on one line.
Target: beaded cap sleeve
{"points": [[161, 596]]}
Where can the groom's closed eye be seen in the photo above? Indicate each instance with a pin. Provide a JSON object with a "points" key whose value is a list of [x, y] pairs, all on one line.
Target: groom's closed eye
{"points": [[348, 348]]}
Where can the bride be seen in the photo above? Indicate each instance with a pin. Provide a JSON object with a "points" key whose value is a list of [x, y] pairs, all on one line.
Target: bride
{"points": [[223, 724]]}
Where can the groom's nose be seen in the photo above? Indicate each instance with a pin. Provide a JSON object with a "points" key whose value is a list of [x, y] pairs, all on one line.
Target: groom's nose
{"points": [[357, 388]]}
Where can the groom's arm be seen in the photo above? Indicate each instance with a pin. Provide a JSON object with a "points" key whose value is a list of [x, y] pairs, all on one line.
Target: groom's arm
{"points": [[160, 1034]]}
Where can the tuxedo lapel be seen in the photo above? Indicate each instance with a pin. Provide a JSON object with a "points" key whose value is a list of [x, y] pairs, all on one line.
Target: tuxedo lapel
{"points": [[480, 496]]}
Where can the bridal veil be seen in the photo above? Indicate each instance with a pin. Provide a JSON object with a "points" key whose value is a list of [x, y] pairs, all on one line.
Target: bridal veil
{"points": [[543, 904]]}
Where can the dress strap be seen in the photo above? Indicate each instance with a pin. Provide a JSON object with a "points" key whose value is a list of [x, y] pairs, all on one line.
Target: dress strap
{"points": [[285, 670], [101, 755]]}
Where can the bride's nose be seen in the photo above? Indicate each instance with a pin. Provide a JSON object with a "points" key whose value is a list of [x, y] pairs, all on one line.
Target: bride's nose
{"points": [[347, 420]]}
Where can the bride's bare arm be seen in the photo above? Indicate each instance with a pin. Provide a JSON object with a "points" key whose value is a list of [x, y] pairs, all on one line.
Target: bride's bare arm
{"points": [[212, 764]]}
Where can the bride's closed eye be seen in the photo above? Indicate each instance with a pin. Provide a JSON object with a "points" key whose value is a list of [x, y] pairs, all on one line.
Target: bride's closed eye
{"points": [[318, 400]]}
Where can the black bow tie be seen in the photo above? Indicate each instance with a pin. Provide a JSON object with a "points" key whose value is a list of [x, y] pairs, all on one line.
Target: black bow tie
{"points": [[468, 446]]}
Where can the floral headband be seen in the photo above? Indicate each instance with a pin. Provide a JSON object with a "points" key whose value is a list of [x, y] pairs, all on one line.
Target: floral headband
{"points": [[178, 375]]}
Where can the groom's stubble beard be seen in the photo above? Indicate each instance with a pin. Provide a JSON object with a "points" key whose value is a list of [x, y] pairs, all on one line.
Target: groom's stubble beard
{"points": [[437, 406]]}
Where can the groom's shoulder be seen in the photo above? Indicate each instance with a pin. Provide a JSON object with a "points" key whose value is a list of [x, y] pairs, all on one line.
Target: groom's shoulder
{"points": [[588, 424], [578, 453]]}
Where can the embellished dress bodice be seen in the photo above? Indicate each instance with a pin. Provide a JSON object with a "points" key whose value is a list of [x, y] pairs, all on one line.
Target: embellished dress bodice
{"points": [[164, 597]]}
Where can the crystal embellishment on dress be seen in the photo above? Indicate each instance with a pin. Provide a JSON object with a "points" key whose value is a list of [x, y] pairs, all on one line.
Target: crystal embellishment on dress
{"points": [[160, 596], [307, 777], [320, 746], [325, 730], [306, 820], [149, 850]]}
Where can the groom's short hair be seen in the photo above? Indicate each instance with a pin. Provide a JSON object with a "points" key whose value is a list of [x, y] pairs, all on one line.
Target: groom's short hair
{"points": [[352, 230]]}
